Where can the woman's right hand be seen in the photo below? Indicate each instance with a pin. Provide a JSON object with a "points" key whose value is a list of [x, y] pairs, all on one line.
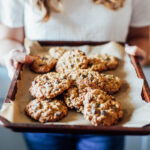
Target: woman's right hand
{"points": [[14, 57]]}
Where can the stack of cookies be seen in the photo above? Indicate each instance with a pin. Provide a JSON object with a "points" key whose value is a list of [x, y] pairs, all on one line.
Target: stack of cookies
{"points": [[76, 82]]}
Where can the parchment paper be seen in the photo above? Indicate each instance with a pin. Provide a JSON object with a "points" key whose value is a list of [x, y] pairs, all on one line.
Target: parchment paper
{"points": [[136, 111]]}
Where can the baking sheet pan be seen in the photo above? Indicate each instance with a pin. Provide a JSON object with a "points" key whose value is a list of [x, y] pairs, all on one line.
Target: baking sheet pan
{"points": [[75, 128]]}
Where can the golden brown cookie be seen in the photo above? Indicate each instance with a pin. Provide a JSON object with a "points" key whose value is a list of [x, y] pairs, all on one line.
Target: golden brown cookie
{"points": [[71, 60], [74, 98], [43, 64], [70, 95], [86, 78], [45, 110], [101, 109], [78, 102], [57, 52], [101, 63], [49, 85], [112, 84]]}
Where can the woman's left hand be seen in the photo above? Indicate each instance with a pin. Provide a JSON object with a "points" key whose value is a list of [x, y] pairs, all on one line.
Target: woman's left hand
{"points": [[135, 51]]}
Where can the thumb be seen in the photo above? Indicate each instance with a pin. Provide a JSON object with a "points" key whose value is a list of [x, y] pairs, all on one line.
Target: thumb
{"points": [[29, 59], [23, 58]]}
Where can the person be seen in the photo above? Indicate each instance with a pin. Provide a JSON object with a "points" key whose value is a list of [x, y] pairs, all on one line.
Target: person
{"points": [[72, 20]]}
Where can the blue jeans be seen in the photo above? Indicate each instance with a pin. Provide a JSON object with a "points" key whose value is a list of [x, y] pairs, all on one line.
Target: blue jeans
{"points": [[48, 141]]}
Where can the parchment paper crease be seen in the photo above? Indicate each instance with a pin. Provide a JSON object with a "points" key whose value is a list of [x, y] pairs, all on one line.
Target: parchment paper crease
{"points": [[136, 111]]}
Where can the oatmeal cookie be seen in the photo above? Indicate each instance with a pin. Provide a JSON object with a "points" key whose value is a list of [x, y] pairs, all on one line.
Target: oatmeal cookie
{"points": [[74, 98], [78, 102], [101, 63], [101, 109], [57, 52], [71, 60], [43, 64], [112, 83], [86, 78], [49, 85], [45, 110], [70, 95]]}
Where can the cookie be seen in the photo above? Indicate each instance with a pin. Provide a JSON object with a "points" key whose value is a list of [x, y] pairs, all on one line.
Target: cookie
{"points": [[45, 110], [101, 109], [69, 95], [78, 102], [43, 64], [86, 78], [74, 98], [71, 60], [49, 85], [101, 63], [112, 84], [57, 52]]}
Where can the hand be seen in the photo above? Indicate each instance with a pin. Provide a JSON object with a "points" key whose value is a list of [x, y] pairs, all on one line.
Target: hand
{"points": [[135, 51], [14, 57]]}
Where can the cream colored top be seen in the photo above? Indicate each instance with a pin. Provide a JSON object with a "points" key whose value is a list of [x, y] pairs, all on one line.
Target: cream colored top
{"points": [[80, 20]]}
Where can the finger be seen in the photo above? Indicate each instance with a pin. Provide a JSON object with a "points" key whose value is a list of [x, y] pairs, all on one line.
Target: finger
{"points": [[23, 58], [29, 59]]}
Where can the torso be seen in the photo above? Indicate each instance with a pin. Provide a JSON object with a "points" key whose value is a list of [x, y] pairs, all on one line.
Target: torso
{"points": [[81, 21]]}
